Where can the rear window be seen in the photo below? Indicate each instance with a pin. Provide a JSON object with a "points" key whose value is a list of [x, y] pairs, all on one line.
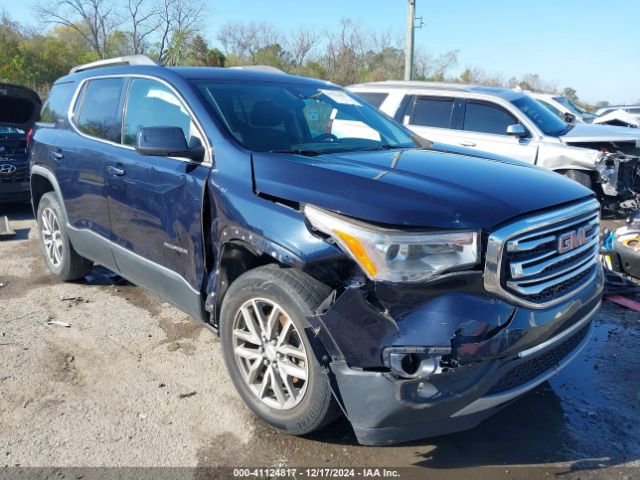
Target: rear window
{"points": [[57, 104], [432, 112], [485, 118], [374, 98], [100, 114]]}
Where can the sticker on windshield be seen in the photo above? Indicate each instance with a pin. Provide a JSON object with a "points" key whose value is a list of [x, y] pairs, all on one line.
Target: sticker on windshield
{"points": [[341, 97]]}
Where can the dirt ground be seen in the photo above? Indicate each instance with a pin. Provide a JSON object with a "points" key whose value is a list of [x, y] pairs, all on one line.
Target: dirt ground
{"points": [[132, 382]]}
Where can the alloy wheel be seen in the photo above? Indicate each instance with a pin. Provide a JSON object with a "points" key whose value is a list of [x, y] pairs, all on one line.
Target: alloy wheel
{"points": [[52, 237], [270, 353]]}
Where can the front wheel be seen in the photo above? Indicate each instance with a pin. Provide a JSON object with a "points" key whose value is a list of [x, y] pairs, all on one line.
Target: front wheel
{"points": [[270, 358]]}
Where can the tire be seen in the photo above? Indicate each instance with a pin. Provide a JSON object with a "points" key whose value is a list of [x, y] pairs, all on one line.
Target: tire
{"points": [[580, 176], [297, 295], [61, 259]]}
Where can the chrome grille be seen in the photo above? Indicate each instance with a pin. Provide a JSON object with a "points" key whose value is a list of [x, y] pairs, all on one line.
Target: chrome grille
{"points": [[542, 260]]}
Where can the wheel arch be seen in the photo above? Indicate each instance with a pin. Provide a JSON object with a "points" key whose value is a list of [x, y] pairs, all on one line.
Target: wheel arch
{"points": [[43, 181]]}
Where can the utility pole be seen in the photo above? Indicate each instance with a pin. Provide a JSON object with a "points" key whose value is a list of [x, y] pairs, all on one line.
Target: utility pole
{"points": [[408, 55]]}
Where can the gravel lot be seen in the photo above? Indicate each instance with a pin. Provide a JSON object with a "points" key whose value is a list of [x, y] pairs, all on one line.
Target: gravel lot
{"points": [[134, 382]]}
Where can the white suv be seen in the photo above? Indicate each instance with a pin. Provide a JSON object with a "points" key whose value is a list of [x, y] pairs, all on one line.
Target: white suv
{"points": [[512, 124]]}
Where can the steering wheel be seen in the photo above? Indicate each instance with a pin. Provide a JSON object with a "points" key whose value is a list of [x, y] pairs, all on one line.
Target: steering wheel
{"points": [[324, 137]]}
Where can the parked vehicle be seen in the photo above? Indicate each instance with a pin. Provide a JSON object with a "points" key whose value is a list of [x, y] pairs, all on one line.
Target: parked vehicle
{"points": [[563, 107], [632, 109], [511, 123], [19, 108], [622, 115], [568, 111], [419, 288]]}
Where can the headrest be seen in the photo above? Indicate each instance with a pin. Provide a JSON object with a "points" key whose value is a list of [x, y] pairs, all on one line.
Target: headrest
{"points": [[267, 114]]}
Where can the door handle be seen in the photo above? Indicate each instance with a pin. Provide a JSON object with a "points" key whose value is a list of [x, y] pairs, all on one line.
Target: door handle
{"points": [[115, 171], [467, 144], [57, 155]]}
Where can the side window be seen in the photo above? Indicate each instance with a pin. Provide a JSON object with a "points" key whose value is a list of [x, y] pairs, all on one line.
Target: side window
{"points": [[432, 112], [57, 104], [100, 113], [152, 104], [485, 118], [374, 98]]}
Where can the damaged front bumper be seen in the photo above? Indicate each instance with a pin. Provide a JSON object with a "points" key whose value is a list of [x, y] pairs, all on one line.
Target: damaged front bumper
{"points": [[488, 353], [620, 179]]}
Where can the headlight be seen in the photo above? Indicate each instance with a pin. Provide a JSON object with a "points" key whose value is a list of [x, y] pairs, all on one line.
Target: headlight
{"points": [[396, 256]]}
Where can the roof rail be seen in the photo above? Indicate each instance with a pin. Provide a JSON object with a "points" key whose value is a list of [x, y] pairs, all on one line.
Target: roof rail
{"points": [[126, 60], [260, 68]]}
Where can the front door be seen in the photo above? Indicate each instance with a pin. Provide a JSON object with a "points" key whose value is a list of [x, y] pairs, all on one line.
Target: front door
{"points": [[484, 128], [156, 203]]}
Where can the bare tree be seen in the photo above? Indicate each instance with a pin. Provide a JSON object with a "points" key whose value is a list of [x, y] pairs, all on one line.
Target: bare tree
{"points": [[144, 22], [301, 45], [179, 21], [344, 53], [245, 40], [93, 20]]}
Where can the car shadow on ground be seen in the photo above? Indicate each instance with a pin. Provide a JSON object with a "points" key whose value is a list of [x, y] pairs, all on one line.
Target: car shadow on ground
{"points": [[533, 431]]}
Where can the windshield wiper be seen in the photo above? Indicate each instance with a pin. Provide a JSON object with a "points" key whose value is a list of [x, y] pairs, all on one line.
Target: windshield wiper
{"points": [[306, 153], [385, 147]]}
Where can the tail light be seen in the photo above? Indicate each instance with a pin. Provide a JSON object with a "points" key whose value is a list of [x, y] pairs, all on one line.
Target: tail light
{"points": [[29, 133]]}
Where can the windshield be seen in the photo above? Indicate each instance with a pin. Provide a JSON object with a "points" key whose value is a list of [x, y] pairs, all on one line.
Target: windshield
{"points": [[570, 105], [544, 118], [298, 118]]}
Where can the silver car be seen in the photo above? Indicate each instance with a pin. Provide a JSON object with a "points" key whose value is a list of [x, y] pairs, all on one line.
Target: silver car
{"points": [[512, 124]]}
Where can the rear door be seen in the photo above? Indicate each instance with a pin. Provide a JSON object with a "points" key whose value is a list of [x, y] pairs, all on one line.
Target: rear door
{"points": [[80, 157], [432, 117], [484, 127], [156, 203]]}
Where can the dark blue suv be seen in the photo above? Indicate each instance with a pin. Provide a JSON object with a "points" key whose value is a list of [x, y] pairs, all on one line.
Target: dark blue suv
{"points": [[348, 265]]}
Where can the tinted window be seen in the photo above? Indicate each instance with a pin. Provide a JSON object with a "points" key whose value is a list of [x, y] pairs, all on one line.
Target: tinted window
{"points": [[57, 104], [634, 110], [152, 104], [374, 98], [485, 118], [432, 112], [298, 116], [541, 116], [100, 112]]}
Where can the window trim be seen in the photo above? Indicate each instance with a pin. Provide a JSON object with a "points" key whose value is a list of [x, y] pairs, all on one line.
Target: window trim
{"points": [[208, 160], [494, 105]]}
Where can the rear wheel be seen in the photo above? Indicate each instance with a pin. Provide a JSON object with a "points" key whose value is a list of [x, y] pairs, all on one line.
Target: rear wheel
{"points": [[61, 259], [267, 352]]}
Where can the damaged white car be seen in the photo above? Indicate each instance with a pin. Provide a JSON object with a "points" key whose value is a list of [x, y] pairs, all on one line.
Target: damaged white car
{"points": [[572, 113], [512, 124]]}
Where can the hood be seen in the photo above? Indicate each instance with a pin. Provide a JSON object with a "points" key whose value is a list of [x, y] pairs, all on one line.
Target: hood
{"points": [[618, 117], [415, 188], [19, 106], [585, 132]]}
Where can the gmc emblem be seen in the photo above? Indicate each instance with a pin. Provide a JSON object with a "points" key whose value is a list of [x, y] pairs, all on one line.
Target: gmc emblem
{"points": [[570, 240]]}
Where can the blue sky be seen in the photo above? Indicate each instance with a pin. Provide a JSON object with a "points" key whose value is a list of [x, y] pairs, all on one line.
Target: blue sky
{"points": [[591, 45]]}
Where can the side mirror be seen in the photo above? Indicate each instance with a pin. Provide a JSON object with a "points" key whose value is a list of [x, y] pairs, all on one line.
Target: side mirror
{"points": [[516, 130], [569, 117], [168, 142]]}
